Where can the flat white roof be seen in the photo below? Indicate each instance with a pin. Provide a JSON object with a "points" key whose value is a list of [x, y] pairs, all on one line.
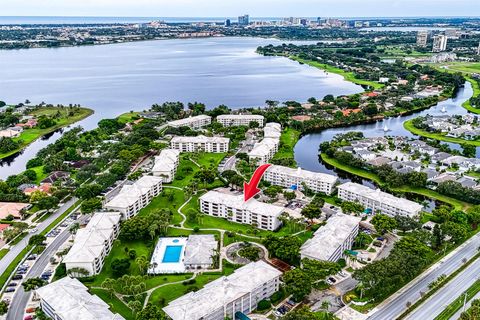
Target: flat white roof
{"points": [[186, 121], [70, 300], [216, 294], [90, 241], [382, 197], [237, 202], [329, 237], [130, 193], [166, 160], [200, 139], [304, 174], [200, 249], [263, 148]]}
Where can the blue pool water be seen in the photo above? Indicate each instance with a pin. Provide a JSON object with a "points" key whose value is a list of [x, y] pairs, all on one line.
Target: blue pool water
{"points": [[172, 254]]}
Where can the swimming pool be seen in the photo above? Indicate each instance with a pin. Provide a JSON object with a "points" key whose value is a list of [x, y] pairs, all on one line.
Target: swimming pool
{"points": [[172, 254]]}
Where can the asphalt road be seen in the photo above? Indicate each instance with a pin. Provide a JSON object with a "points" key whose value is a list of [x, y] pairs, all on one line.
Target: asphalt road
{"points": [[443, 297], [396, 304], [16, 249], [20, 299]]}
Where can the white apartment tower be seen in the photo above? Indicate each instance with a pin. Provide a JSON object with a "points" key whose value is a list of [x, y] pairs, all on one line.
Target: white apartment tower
{"points": [[233, 207], [288, 177], [377, 200], [235, 120], [228, 296], [439, 43], [200, 144], [133, 197], [196, 122], [422, 38], [93, 243], [166, 164]]}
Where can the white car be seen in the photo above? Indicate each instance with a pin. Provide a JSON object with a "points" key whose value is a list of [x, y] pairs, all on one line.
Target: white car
{"points": [[33, 230]]}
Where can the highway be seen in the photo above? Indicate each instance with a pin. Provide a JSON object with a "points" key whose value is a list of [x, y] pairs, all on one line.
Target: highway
{"points": [[443, 297], [396, 304], [19, 302], [16, 249]]}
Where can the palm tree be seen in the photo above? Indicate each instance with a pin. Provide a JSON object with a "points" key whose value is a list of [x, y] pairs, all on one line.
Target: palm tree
{"points": [[109, 285], [74, 228]]}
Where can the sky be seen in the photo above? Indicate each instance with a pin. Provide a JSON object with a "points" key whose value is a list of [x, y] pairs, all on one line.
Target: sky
{"points": [[232, 8]]}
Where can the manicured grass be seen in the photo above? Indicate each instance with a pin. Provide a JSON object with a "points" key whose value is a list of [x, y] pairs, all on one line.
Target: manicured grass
{"points": [[163, 202], [118, 252], [11, 267], [205, 160], [456, 304], [116, 306], [30, 135], [288, 140], [467, 67], [348, 76], [437, 136], [162, 296], [209, 222], [127, 117], [373, 177], [40, 174], [3, 252], [476, 91]]}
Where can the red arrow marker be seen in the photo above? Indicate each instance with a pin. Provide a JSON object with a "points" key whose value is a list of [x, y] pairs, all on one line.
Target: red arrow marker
{"points": [[250, 189]]}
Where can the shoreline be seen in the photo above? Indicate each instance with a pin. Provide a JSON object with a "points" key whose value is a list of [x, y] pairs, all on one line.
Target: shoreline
{"points": [[437, 136], [404, 189], [85, 113]]}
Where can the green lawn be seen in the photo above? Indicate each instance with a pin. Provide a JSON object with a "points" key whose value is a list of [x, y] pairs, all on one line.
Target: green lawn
{"points": [[204, 159], [30, 135], [115, 304], [476, 91], [349, 76], [3, 252], [162, 296], [127, 117], [40, 174], [373, 177], [288, 140], [437, 136]]}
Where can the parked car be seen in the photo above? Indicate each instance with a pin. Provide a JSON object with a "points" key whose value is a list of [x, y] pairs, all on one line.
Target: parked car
{"points": [[28, 317], [10, 289], [30, 310], [12, 284], [332, 279], [32, 257], [17, 277]]}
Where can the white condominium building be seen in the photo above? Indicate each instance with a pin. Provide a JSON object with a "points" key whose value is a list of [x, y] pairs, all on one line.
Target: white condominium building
{"points": [[331, 240], [225, 297], [264, 150], [234, 120], [377, 200], [196, 122], [288, 177], [93, 243], [272, 130], [166, 164], [439, 43], [133, 197], [69, 299], [234, 208], [200, 144]]}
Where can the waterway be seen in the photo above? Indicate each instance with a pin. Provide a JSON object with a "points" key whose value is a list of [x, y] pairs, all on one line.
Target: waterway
{"points": [[113, 79], [306, 150]]}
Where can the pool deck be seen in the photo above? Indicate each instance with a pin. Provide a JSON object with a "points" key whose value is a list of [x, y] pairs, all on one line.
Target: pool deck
{"points": [[159, 253]]}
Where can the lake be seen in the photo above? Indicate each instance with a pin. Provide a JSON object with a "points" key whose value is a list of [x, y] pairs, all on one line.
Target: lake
{"points": [[113, 79]]}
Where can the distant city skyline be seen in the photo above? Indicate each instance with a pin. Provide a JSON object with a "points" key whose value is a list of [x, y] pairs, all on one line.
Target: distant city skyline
{"points": [[219, 8]]}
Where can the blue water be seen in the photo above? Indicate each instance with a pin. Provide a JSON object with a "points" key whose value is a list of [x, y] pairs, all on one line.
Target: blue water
{"points": [[172, 254]]}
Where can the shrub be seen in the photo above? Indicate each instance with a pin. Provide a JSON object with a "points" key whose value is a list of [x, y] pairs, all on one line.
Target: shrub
{"points": [[263, 305]]}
